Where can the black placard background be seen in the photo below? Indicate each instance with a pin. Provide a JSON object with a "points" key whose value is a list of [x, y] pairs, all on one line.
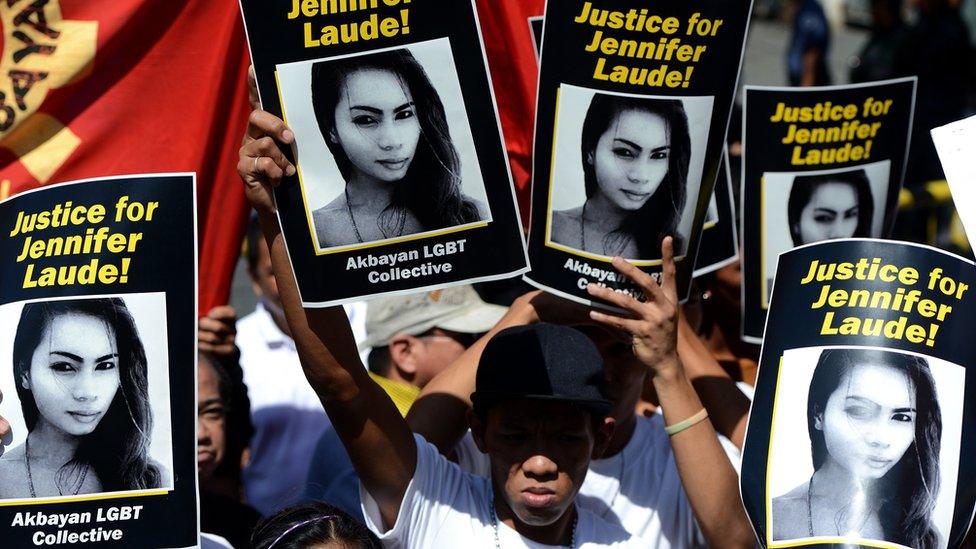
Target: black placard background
{"points": [[792, 324], [164, 261], [495, 251]]}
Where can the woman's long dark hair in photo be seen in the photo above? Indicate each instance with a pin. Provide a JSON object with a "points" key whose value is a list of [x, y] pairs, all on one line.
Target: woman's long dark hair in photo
{"points": [[431, 188], [312, 524], [117, 450], [805, 185], [660, 215], [909, 490]]}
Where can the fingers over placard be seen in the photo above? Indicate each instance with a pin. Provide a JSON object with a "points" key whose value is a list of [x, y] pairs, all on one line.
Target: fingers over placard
{"points": [[669, 270], [620, 299], [262, 123], [624, 324], [643, 280]]}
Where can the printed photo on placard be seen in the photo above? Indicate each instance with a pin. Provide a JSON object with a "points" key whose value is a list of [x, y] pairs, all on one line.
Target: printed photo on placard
{"points": [[820, 205], [626, 173], [87, 379], [384, 119], [711, 216], [403, 181], [877, 428], [535, 28]]}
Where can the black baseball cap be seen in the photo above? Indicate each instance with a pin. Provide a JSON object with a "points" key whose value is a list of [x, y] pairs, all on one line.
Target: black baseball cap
{"points": [[543, 362]]}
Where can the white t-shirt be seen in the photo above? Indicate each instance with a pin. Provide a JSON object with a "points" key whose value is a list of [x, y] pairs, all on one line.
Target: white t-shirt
{"points": [[638, 488], [287, 415], [446, 507]]}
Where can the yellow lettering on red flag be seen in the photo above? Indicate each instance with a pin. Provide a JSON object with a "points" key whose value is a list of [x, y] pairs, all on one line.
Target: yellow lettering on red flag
{"points": [[41, 51]]}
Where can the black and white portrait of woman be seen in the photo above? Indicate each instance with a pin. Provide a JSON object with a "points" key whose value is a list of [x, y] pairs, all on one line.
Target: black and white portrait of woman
{"points": [[830, 206], [634, 176], [808, 207], [85, 423], [384, 147], [876, 435]]}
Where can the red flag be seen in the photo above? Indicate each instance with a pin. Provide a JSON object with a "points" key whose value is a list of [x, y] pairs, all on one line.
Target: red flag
{"points": [[511, 31], [92, 89]]}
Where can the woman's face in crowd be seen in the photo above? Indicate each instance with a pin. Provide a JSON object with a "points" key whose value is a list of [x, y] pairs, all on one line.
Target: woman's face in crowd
{"points": [[831, 213], [376, 124], [869, 420], [631, 158], [74, 372]]}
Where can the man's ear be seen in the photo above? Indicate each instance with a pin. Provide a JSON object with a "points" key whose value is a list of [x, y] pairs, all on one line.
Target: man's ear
{"points": [[403, 354], [477, 431], [602, 437]]}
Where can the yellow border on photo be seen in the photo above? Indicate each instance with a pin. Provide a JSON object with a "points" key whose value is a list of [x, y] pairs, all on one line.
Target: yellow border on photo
{"points": [[837, 541], [572, 251], [366, 245], [803, 542], [86, 497], [764, 284]]}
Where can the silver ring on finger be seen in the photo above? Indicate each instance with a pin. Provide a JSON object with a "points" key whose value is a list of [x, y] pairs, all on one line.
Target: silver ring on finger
{"points": [[255, 167]]}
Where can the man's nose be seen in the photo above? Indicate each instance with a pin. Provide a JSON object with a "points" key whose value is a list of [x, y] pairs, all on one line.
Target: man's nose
{"points": [[540, 467], [203, 433]]}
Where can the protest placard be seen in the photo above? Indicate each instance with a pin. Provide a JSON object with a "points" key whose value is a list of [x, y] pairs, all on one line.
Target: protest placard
{"points": [[858, 430], [956, 145], [98, 292], [818, 163], [402, 180], [633, 105], [720, 236]]}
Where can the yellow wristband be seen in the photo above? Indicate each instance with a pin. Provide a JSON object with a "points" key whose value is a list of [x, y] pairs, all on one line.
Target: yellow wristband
{"points": [[672, 430]]}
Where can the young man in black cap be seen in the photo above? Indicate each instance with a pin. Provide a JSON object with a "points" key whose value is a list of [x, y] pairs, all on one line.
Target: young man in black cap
{"points": [[541, 420], [637, 483]]}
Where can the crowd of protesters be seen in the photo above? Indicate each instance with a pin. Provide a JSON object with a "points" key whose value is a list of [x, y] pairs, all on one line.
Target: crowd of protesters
{"points": [[439, 419], [425, 420]]}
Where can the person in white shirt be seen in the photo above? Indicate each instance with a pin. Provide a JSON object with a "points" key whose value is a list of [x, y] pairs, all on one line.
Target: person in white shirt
{"points": [[285, 411], [636, 483], [538, 412]]}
